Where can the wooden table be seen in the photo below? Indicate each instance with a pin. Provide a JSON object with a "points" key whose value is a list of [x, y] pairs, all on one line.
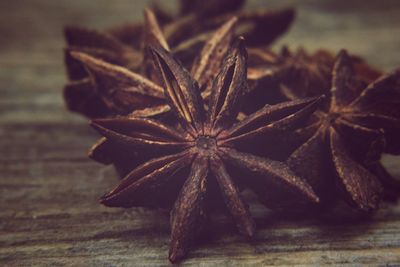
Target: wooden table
{"points": [[49, 215]]}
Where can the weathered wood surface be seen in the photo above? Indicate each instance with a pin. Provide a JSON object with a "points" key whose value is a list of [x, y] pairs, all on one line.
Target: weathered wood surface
{"points": [[49, 215]]}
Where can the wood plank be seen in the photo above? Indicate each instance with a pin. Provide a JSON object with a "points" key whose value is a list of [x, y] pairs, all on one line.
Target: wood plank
{"points": [[53, 215]]}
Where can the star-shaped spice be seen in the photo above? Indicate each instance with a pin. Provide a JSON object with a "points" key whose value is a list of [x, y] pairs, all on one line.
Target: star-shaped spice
{"points": [[195, 157], [349, 135], [94, 99], [260, 27], [272, 75], [293, 75], [184, 35]]}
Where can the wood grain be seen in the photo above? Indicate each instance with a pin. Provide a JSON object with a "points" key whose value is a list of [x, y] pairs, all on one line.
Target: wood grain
{"points": [[49, 215]]}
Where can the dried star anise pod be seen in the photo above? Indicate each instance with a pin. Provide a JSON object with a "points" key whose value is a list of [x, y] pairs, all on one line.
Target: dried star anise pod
{"points": [[346, 139], [92, 99], [185, 34], [195, 157], [271, 75], [260, 27], [293, 75]]}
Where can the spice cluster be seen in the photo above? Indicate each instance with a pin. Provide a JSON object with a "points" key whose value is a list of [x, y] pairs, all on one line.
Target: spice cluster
{"points": [[197, 107]]}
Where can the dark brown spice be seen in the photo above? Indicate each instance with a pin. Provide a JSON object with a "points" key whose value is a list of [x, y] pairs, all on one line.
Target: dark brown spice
{"points": [[344, 141], [94, 99], [183, 35], [292, 75], [197, 153]]}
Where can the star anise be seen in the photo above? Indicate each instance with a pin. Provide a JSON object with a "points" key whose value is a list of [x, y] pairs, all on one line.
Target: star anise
{"points": [[183, 35], [195, 156], [293, 75], [348, 137], [81, 95], [260, 27]]}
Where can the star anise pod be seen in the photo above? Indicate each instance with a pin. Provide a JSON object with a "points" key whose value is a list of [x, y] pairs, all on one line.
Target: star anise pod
{"points": [[349, 135], [185, 34], [195, 156], [260, 27], [293, 75], [81, 93]]}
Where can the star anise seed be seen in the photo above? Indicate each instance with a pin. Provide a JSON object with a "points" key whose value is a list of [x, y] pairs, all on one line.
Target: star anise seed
{"points": [[350, 133], [205, 143]]}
